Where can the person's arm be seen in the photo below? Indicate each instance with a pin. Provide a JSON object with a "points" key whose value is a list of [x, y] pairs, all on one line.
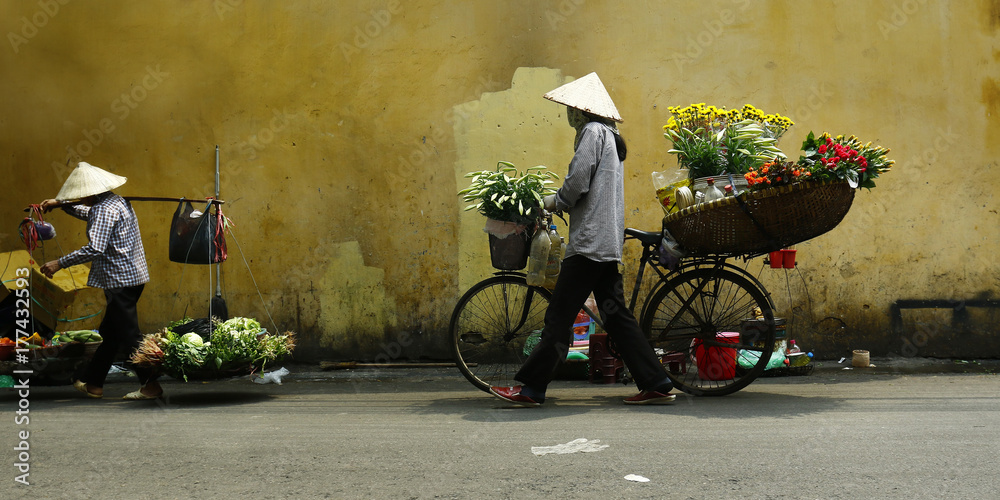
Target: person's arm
{"points": [[581, 169], [78, 211], [99, 232]]}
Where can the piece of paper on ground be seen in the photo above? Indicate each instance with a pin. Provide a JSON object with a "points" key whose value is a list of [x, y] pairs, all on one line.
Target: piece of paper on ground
{"points": [[637, 478]]}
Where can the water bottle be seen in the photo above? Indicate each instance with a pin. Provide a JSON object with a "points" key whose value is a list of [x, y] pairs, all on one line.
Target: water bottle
{"points": [[712, 192], [538, 258], [792, 348], [555, 259]]}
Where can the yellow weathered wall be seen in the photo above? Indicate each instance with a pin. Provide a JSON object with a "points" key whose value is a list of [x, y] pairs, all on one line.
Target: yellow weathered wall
{"points": [[345, 127]]}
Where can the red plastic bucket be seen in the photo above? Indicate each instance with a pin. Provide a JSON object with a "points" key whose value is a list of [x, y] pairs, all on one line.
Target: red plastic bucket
{"points": [[787, 259], [715, 362], [776, 259]]}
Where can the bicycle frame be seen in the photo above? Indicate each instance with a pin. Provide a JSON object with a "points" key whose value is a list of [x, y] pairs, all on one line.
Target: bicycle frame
{"points": [[650, 258]]}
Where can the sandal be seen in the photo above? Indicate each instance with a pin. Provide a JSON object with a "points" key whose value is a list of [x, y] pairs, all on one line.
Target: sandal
{"points": [[82, 387], [139, 396]]}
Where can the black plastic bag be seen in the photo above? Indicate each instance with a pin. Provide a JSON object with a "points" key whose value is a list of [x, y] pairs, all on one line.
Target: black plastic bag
{"points": [[199, 239]]}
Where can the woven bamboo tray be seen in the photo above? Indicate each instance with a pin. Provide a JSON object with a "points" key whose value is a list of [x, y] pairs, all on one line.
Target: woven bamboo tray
{"points": [[766, 221], [227, 370]]}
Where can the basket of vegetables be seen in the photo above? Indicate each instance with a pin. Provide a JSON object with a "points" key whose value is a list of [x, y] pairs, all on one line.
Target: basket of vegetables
{"points": [[235, 347], [76, 344]]}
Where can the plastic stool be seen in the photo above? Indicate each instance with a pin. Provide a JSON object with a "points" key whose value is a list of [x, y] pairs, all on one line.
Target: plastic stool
{"points": [[604, 367]]}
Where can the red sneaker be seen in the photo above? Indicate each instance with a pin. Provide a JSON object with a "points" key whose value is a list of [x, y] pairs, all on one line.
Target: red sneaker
{"points": [[650, 398], [513, 395]]}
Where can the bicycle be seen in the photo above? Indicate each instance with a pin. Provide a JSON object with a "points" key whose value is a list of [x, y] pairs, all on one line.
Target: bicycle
{"points": [[710, 322]]}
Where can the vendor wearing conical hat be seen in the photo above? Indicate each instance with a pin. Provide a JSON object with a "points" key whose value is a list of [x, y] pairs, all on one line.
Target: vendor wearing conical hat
{"points": [[593, 193], [118, 265]]}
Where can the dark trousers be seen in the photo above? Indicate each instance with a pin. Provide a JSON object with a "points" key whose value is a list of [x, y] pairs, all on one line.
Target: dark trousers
{"points": [[577, 279], [119, 328]]}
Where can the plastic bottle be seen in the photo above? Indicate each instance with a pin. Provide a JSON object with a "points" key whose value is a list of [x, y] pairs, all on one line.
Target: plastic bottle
{"points": [[538, 258], [555, 259], [712, 192], [729, 190], [792, 348]]}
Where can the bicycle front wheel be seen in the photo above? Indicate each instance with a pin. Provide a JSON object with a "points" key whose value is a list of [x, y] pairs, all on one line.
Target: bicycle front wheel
{"points": [[702, 325], [494, 327]]}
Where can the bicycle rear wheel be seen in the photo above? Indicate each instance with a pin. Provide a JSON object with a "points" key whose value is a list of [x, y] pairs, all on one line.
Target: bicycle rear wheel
{"points": [[701, 323], [492, 327]]}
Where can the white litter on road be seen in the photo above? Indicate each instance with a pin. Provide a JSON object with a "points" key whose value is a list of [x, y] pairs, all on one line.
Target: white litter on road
{"points": [[271, 377], [573, 446], [637, 478]]}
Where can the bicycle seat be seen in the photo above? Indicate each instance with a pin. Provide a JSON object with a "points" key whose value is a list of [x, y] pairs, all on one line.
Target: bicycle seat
{"points": [[646, 237]]}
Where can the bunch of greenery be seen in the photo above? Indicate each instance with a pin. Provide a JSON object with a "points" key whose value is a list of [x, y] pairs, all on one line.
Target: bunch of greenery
{"points": [[508, 195], [235, 344], [180, 355]]}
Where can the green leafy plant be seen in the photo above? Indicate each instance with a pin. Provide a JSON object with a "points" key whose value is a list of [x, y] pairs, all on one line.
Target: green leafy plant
{"points": [[508, 195]]}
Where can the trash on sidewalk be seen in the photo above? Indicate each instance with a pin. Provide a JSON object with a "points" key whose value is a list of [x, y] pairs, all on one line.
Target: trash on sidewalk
{"points": [[270, 377], [637, 478], [118, 369], [576, 445], [861, 359]]}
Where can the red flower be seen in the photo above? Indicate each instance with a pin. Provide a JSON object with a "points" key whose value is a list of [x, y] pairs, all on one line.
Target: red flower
{"points": [[822, 149]]}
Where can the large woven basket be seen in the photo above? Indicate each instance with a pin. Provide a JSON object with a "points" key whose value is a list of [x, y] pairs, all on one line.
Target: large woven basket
{"points": [[766, 221]]}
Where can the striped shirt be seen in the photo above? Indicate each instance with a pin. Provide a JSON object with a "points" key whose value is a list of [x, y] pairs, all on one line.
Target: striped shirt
{"points": [[115, 248], [593, 194]]}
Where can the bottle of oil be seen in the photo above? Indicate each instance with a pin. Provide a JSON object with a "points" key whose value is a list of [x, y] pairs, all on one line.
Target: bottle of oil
{"points": [[555, 259], [538, 258]]}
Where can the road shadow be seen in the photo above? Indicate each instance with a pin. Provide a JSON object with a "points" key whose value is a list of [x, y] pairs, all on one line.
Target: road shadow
{"points": [[482, 407], [174, 397]]}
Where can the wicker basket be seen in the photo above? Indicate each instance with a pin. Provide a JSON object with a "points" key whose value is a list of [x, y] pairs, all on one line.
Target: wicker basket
{"points": [[765, 221], [511, 252], [227, 370]]}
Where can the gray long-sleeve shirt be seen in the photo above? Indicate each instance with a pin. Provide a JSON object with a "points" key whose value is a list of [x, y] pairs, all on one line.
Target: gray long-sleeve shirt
{"points": [[593, 194]]}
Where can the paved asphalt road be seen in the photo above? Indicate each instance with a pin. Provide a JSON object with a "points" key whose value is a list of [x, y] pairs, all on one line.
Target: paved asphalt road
{"points": [[426, 433]]}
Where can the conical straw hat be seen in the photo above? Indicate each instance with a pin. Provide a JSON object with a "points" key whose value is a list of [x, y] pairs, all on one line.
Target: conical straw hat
{"points": [[588, 94], [87, 180]]}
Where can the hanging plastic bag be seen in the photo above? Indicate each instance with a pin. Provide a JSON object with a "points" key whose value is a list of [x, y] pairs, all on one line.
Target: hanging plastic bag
{"points": [[32, 231], [670, 251], [197, 237], [666, 184]]}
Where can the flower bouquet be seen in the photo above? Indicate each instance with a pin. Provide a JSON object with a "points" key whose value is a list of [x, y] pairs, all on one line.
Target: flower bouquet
{"points": [[825, 158], [710, 141], [511, 202], [507, 195]]}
